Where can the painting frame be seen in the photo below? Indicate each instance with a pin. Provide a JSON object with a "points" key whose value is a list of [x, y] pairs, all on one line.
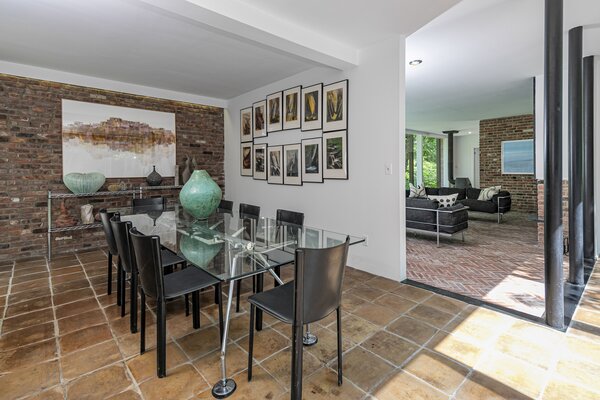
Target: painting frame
{"points": [[293, 180], [274, 110], [259, 122], [316, 123], [509, 149], [335, 173], [246, 171], [335, 114], [271, 178], [246, 113], [312, 176], [259, 161], [294, 123]]}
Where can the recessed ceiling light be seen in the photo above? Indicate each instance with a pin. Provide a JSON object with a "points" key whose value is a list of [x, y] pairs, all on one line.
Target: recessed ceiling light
{"points": [[415, 62], [470, 133]]}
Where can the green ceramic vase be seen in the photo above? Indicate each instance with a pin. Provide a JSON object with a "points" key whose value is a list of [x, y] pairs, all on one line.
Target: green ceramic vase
{"points": [[84, 183], [200, 196]]}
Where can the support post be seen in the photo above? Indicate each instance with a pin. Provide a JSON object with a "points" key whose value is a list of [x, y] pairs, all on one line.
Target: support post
{"points": [[589, 251], [575, 156], [553, 228], [450, 134]]}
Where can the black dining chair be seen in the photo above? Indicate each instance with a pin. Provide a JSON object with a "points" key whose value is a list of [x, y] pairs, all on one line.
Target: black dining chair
{"points": [[169, 260], [292, 219], [105, 217], [314, 294], [247, 211], [149, 204], [147, 253], [225, 207]]}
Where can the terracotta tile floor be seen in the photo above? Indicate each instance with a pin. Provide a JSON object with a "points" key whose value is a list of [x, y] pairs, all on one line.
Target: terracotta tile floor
{"points": [[501, 264], [62, 338]]}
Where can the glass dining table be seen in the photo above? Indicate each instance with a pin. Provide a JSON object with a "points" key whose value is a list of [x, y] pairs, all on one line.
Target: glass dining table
{"points": [[230, 249]]}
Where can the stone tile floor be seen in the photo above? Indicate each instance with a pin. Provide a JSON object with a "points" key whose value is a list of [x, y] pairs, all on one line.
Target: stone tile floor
{"points": [[62, 337], [501, 264]]}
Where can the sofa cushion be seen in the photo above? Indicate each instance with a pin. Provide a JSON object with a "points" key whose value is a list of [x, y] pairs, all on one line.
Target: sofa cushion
{"points": [[445, 201], [422, 217], [473, 193], [416, 191], [488, 193], [480, 205], [432, 191], [445, 191]]}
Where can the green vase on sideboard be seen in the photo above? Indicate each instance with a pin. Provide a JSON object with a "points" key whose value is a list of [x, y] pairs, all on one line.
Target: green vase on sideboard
{"points": [[200, 195]]}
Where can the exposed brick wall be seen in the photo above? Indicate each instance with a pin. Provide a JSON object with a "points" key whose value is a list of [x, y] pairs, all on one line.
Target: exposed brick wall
{"points": [[31, 158], [492, 132], [565, 209]]}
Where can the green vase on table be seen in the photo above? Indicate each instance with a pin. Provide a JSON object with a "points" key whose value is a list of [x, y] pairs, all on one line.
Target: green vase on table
{"points": [[200, 196]]}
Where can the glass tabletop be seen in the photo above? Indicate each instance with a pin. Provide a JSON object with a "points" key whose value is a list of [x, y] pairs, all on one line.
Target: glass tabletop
{"points": [[229, 247]]}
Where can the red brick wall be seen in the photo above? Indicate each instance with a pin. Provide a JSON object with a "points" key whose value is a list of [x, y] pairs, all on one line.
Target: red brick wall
{"points": [[31, 158], [492, 132]]}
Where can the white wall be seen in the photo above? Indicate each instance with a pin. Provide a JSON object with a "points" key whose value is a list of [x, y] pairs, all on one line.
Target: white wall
{"points": [[463, 156], [369, 203]]}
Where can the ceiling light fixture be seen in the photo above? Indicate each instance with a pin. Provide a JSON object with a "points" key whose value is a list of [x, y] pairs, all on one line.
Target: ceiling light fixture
{"points": [[415, 62]]}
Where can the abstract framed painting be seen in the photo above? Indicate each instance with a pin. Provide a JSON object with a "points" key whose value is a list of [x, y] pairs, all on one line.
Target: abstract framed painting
{"points": [[518, 157], [335, 106], [274, 111], [312, 160], [292, 164], [246, 124], [260, 161], [259, 127], [291, 108], [335, 155], [246, 159], [119, 142], [274, 165], [310, 107]]}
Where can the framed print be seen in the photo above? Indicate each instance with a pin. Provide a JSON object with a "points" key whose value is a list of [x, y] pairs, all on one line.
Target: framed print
{"points": [[246, 124], [292, 164], [260, 162], [518, 157], [274, 111], [246, 159], [312, 160], [310, 107], [335, 155], [291, 108], [259, 128], [335, 106], [274, 166]]}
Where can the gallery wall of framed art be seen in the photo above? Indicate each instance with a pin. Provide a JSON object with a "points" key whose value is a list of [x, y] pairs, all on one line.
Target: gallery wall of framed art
{"points": [[319, 112]]}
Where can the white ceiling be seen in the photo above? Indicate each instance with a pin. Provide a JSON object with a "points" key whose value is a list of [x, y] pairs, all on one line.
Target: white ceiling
{"points": [[479, 59], [213, 48]]}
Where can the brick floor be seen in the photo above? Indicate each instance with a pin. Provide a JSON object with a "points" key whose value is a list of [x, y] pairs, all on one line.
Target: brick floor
{"points": [[499, 263], [400, 343]]}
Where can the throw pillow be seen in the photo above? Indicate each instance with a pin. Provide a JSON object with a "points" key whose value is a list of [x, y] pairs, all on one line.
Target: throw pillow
{"points": [[418, 191], [445, 201], [487, 193]]}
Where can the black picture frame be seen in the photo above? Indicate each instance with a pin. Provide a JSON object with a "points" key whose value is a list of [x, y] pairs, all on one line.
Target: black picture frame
{"points": [[341, 173], [249, 137], [246, 171], [308, 177], [258, 175], [297, 124], [293, 180], [258, 133], [314, 125], [341, 124], [271, 179], [276, 110]]}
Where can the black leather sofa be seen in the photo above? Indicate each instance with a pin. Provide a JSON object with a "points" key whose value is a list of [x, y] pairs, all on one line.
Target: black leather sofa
{"points": [[426, 215], [499, 204]]}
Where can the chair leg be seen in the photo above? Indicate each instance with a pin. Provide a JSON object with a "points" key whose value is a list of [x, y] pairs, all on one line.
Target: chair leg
{"points": [[196, 309], [220, 303], [217, 294], [237, 296], [339, 344], [187, 304], [133, 304], [123, 290], [251, 342], [119, 276], [161, 339], [109, 287], [143, 322], [260, 279], [277, 271], [297, 349]]}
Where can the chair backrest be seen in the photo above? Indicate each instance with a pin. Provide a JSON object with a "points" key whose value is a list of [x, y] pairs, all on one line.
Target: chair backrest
{"points": [[225, 206], [249, 211], [146, 250], [318, 281], [121, 232], [289, 217], [105, 217], [149, 204]]}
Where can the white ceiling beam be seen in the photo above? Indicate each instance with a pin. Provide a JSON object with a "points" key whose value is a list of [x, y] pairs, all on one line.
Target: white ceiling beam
{"points": [[253, 25]]}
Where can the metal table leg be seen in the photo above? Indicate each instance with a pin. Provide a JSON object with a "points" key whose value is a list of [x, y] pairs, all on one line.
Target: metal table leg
{"points": [[226, 386]]}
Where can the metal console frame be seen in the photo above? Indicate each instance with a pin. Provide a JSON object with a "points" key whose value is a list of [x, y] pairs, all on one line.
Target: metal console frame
{"points": [[500, 214], [437, 222]]}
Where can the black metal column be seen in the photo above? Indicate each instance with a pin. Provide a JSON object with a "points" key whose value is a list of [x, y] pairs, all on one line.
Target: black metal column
{"points": [[589, 251], [450, 156], [575, 156], [553, 228]]}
